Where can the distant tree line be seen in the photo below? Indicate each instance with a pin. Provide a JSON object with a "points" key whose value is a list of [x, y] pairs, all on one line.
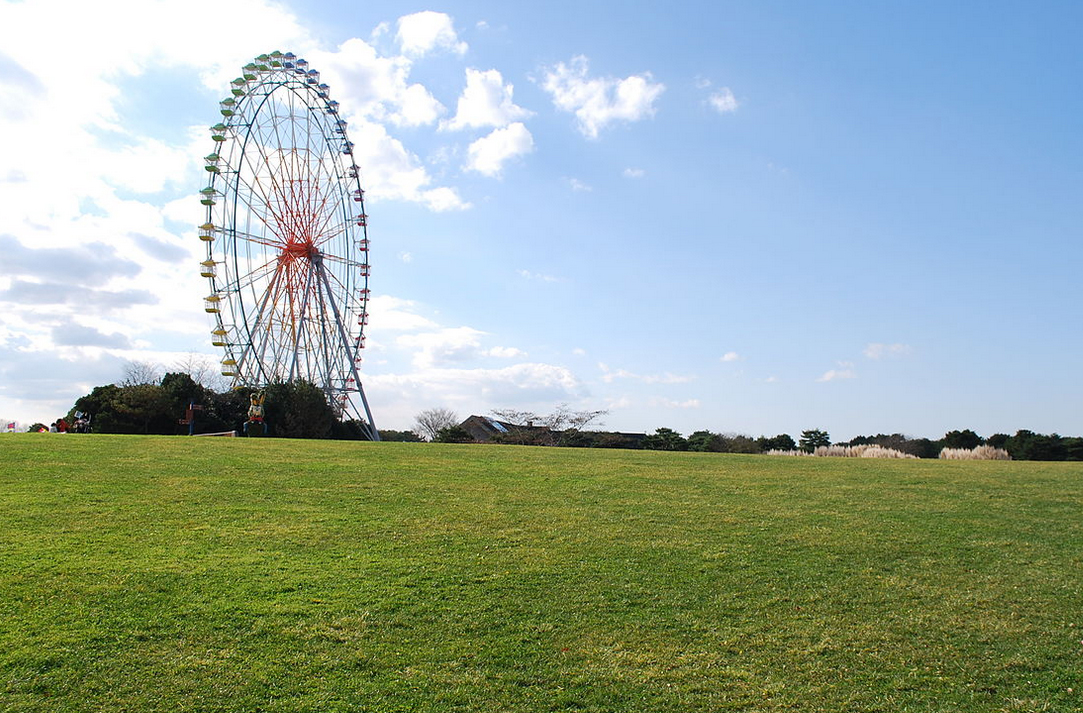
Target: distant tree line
{"points": [[1024, 445], [296, 409], [146, 402]]}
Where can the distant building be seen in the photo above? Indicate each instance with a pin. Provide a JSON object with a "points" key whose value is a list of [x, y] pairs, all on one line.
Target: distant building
{"points": [[484, 429]]}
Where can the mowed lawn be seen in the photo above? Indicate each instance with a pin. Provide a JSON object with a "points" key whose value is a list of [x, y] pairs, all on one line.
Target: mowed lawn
{"points": [[187, 574]]}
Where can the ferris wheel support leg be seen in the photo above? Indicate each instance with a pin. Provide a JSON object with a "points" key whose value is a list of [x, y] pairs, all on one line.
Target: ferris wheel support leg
{"points": [[373, 434], [299, 328], [255, 328], [317, 262]]}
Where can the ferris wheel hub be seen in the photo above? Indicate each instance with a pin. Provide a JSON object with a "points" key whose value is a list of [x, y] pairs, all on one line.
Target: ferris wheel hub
{"points": [[297, 249]]}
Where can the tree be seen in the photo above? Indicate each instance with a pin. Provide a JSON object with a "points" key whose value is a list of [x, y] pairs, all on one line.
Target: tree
{"points": [[813, 439], [569, 424], [920, 447], [737, 443], [182, 389], [138, 373], [1073, 448], [1027, 445], [564, 419], [139, 408], [225, 411], [606, 439], [705, 442], [113, 409], [781, 442], [516, 417], [298, 409], [665, 439], [967, 440], [924, 448], [561, 427], [453, 434], [399, 436], [203, 370], [431, 421]]}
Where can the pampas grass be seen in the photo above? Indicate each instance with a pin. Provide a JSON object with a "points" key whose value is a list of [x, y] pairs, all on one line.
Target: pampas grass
{"points": [[977, 453], [863, 451], [874, 451]]}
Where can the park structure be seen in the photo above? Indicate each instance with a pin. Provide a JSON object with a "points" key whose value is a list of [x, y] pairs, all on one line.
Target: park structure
{"points": [[286, 237]]}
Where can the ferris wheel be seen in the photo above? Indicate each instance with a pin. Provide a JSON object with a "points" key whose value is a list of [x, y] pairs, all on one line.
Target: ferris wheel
{"points": [[286, 236]]}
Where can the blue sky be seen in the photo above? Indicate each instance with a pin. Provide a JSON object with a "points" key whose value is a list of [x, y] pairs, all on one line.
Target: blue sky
{"points": [[746, 217]]}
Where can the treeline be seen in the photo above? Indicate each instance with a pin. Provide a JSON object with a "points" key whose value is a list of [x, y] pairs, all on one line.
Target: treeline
{"points": [[296, 409], [1024, 445], [300, 410]]}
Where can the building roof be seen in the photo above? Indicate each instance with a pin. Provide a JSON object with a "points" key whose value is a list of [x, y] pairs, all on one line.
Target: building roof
{"points": [[485, 428]]}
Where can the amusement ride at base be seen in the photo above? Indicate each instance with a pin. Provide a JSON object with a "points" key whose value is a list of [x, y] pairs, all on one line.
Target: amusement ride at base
{"points": [[287, 237]]}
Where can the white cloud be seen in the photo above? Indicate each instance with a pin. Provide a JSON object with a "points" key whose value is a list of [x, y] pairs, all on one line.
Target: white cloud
{"points": [[443, 346], [671, 404], [387, 313], [390, 171], [610, 375], [443, 199], [488, 154], [599, 101], [845, 371], [620, 402], [634, 173], [837, 375], [880, 351], [375, 87], [406, 257], [730, 357], [723, 101], [423, 32], [527, 274], [380, 31], [506, 352], [532, 386], [578, 186], [486, 101]]}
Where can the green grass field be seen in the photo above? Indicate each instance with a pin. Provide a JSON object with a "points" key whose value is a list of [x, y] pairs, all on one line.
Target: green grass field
{"points": [[177, 574]]}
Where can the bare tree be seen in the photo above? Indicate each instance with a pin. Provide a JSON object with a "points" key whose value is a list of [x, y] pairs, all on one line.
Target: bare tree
{"points": [[545, 429], [517, 418], [137, 373], [203, 370], [431, 421], [564, 419]]}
